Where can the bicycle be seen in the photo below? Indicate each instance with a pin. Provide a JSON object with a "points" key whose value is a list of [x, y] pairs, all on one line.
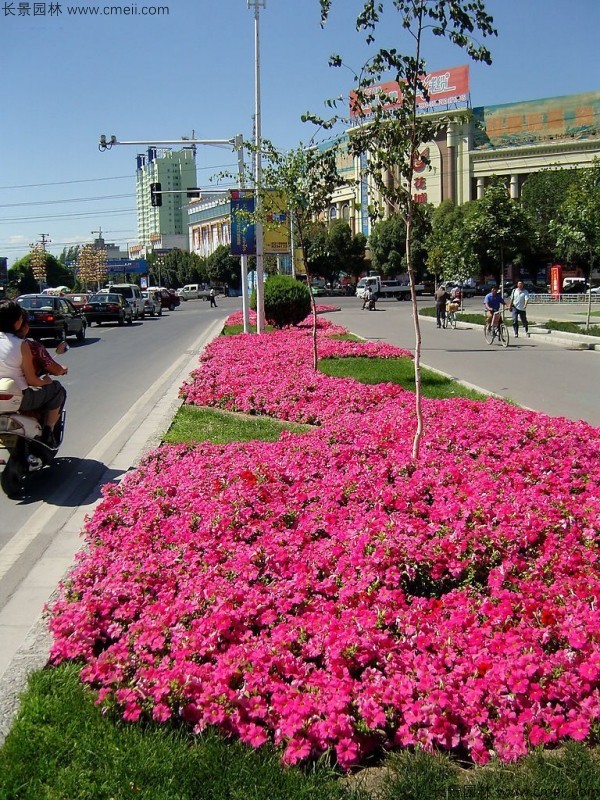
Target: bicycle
{"points": [[451, 309], [496, 328]]}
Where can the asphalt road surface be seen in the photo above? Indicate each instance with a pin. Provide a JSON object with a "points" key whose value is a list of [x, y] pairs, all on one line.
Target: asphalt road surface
{"points": [[556, 379]]}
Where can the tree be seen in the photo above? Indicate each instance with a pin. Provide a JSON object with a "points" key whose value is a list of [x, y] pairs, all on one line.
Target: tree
{"points": [[347, 249], [451, 254], [22, 281], [307, 178], [577, 227], [541, 197], [223, 268], [391, 138], [335, 250], [387, 243], [498, 226]]}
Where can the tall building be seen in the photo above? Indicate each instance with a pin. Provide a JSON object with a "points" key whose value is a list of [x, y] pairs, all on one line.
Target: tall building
{"points": [[175, 171]]}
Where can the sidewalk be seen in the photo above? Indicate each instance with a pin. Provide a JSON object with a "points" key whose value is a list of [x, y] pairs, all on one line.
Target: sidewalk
{"points": [[547, 372]]}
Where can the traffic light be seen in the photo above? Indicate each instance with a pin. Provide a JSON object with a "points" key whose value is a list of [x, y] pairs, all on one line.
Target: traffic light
{"points": [[193, 193], [156, 194]]}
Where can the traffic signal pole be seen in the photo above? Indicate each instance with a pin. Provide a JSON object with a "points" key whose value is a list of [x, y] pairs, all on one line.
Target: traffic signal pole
{"points": [[237, 142]]}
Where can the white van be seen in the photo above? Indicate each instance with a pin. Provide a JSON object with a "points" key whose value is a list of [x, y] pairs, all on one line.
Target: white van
{"points": [[132, 293]]}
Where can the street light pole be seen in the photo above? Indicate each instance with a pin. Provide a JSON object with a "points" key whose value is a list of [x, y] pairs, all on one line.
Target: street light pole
{"points": [[260, 301], [239, 145]]}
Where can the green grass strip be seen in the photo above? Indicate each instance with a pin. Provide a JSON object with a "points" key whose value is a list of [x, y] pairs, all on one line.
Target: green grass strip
{"points": [[63, 748], [200, 424], [571, 327], [400, 371]]}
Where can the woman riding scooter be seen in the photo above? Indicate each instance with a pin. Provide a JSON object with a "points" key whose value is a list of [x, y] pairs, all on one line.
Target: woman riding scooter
{"points": [[16, 361]]}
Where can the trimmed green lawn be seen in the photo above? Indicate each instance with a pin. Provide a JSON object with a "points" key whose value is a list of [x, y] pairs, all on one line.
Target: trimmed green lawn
{"points": [[397, 370], [63, 748], [199, 424]]}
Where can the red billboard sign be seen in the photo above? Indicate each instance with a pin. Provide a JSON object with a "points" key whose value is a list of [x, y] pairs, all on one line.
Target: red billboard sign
{"points": [[447, 88]]}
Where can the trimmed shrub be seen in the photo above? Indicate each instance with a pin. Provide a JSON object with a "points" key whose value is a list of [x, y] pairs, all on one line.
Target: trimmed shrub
{"points": [[287, 301]]}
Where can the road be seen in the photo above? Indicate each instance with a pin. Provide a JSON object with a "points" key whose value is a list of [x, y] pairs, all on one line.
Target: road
{"points": [[558, 380]]}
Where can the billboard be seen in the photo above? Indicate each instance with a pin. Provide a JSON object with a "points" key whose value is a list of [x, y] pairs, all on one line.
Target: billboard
{"points": [[138, 266], [276, 229], [243, 233], [448, 88]]}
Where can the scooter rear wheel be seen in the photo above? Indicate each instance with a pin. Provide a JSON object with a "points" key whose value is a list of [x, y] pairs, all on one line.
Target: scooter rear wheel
{"points": [[13, 478]]}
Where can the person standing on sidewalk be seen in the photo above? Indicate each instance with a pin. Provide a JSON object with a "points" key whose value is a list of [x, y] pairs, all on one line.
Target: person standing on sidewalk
{"points": [[213, 301], [519, 298], [441, 298]]}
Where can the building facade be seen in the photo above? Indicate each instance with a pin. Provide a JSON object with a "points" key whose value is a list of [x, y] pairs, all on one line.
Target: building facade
{"points": [[175, 171], [512, 140], [209, 224]]}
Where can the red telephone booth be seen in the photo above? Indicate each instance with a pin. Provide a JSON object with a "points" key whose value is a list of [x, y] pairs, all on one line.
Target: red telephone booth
{"points": [[556, 280]]}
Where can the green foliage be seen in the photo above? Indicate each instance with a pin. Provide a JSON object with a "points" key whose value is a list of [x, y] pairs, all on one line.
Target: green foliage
{"points": [[331, 251], [387, 243], [223, 268], [450, 249], [21, 280], [176, 268], [541, 197], [498, 226], [577, 223], [287, 301]]}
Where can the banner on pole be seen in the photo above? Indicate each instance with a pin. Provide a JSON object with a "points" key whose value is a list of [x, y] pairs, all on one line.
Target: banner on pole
{"points": [[243, 230]]}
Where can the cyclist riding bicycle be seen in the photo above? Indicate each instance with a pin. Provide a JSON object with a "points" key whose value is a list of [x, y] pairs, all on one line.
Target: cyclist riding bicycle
{"points": [[492, 303]]}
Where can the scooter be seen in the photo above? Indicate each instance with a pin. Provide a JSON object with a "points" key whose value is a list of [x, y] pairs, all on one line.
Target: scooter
{"points": [[21, 448]]}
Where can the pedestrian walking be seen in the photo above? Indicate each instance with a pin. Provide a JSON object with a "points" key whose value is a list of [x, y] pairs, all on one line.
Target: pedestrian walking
{"points": [[212, 295], [519, 298], [441, 298]]}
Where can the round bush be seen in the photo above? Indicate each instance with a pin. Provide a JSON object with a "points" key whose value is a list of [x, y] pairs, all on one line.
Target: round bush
{"points": [[287, 301]]}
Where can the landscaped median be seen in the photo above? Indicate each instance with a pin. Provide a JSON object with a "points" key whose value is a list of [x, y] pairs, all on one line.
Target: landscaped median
{"points": [[325, 594]]}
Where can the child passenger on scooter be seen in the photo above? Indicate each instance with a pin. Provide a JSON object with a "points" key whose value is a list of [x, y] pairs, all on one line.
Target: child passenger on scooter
{"points": [[43, 363]]}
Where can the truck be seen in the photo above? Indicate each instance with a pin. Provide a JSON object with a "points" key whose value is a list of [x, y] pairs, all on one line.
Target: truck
{"points": [[386, 288], [193, 291]]}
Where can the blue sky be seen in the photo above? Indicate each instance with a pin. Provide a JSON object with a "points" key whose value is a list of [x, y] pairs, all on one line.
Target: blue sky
{"points": [[68, 78]]}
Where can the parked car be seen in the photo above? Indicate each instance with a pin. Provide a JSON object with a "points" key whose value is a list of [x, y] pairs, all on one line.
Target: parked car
{"points": [[466, 288], [53, 317], [108, 307], [132, 293], [535, 288], [152, 303], [168, 297], [576, 288], [78, 300]]}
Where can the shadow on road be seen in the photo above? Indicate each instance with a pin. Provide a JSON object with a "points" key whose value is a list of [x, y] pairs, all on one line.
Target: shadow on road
{"points": [[68, 482]]}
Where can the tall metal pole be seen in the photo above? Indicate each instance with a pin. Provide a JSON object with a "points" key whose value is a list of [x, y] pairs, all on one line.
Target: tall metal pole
{"points": [[239, 145], [260, 299]]}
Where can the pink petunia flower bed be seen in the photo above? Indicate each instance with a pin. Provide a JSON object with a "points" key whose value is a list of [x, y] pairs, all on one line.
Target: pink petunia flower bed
{"points": [[324, 593]]}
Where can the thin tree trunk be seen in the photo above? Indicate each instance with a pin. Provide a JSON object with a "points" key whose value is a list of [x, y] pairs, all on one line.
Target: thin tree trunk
{"points": [[589, 308], [415, 314], [411, 274]]}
